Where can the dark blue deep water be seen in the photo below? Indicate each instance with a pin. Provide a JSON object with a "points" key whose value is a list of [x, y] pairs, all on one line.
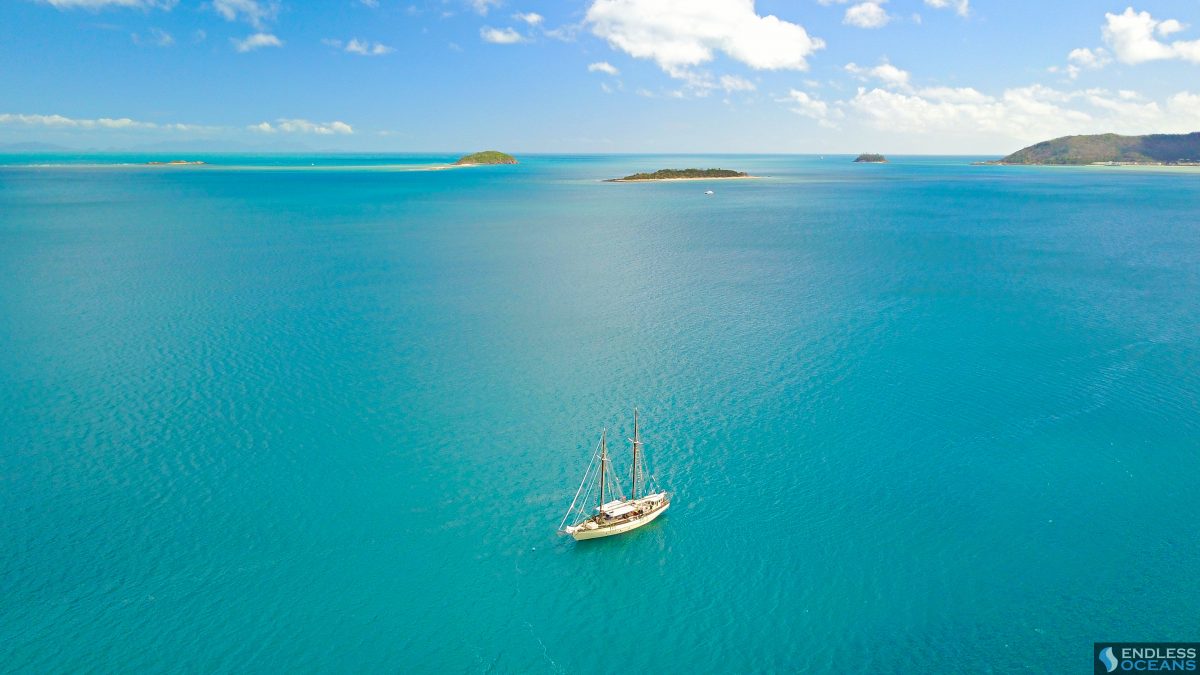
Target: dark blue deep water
{"points": [[922, 416]]}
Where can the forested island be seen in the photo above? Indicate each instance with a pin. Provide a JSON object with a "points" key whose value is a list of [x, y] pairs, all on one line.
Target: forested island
{"points": [[871, 158], [486, 157], [1112, 149], [682, 174]]}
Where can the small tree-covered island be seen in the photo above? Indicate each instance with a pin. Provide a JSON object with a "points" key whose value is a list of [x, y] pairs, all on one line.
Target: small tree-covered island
{"points": [[486, 157], [1112, 149], [870, 158], [682, 174]]}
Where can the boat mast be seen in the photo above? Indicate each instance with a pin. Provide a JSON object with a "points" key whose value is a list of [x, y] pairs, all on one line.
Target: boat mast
{"points": [[603, 468], [636, 443]]}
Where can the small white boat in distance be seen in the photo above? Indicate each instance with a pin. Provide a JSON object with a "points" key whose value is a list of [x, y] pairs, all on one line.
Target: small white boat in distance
{"points": [[708, 192], [616, 515]]}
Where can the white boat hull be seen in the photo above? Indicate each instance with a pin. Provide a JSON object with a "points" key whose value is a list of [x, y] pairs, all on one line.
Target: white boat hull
{"points": [[583, 531]]}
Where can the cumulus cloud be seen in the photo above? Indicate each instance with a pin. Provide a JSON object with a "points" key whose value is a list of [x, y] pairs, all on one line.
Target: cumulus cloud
{"points": [[500, 36], [893, 103], [1082, 59], [960, 7], [603, 67], [802, 103], [531, 18], [1132, 37], [681, 34], [95, 5], [948, 110], [885, 72], [300, 126], [1025, 114], [867, 15], [1088, 58], [254, 12], [256, 41]]}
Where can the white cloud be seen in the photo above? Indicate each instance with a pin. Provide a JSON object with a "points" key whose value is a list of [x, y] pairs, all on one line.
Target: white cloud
{"points": [[956, 95], [482, 6], [867, 15], [960, 7], [964, 111], [731, 83], [1087, 58], [366, 48], [300, 126], [1131, 110], [531, 18], [1184, 109], [102, 123], [680, 34], [254, 12], [803, 104], [1165, 28], [884, 72], [500, 36], [157, 37], [95, 5], [1082, 59], [67, 122], [61, 122], [161, 37], [256, 41], [1022, 114], [564, 33], [603, 67], [1130, 35]]}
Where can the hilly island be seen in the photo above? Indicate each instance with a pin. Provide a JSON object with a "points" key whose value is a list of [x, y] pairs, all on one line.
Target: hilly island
{"points": [[486, 157], [1153, 149], [681, 174]]}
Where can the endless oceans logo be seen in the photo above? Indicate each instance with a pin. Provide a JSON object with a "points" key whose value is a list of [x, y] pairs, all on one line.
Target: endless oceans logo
{"points": [[1106, 657], [1144, 657]]}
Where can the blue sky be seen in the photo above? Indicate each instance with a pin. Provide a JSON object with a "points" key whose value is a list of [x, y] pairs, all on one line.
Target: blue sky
{"points": [[820, 76]]}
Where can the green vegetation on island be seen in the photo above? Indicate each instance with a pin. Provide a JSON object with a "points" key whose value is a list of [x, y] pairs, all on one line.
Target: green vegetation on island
{"points": [[1158, 149], [487, 157], [871, 158], [682, 174]]}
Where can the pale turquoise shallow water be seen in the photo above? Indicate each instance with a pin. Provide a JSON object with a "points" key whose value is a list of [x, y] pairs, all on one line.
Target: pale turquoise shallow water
{"points": [[923, 416]]}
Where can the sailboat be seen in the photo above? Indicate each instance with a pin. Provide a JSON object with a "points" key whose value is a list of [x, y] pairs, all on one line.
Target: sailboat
{"points": [[618, 514]]}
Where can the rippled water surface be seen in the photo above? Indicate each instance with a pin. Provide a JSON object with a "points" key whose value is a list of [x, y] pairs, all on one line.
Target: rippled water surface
{"points": [[918, 416]]}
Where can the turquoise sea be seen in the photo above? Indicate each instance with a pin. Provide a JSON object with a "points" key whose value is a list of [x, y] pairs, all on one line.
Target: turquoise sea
{"points": [[280, 414]]}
